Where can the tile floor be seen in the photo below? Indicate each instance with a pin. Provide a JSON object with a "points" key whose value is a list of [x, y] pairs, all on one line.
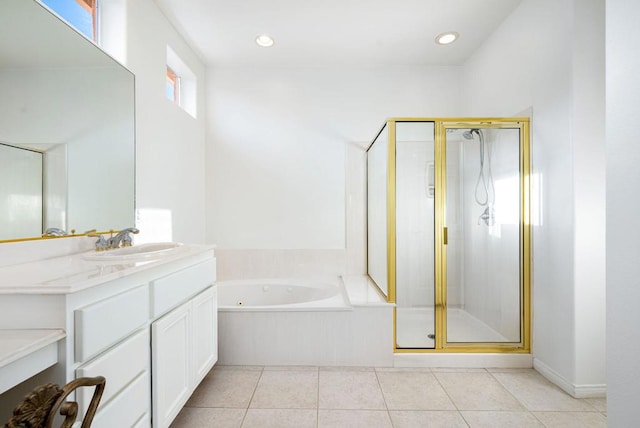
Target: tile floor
{"points": [[299, 397]]}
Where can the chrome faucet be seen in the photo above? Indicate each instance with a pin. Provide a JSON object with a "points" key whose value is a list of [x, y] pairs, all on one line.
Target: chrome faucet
{"points": [[101, 243], [54, 231], [123, 237]]}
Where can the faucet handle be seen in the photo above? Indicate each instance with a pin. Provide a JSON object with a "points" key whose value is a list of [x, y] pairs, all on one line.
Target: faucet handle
{"points": [[101, 243], [123, 237], [126, 237]]}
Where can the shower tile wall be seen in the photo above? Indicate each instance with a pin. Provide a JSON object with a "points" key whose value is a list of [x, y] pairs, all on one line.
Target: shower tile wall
{"points": [[250, 264], [455, 255], [414, 224], [490, 257]]}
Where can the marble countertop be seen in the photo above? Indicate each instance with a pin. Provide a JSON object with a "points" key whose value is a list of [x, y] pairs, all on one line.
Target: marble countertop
{"points": [[16, 344], [74, 272], [24, 353]]}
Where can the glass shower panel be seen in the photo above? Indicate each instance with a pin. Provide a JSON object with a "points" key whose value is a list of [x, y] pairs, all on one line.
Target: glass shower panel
{"points": [[415, 191], [483, 203], [377, 171]]}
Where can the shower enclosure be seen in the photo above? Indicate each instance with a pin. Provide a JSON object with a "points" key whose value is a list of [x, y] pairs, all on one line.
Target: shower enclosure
{"points": [[449, 232]]}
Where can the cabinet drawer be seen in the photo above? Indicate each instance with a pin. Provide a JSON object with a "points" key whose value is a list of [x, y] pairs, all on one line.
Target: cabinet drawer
{"points": [[119, 366], [169, 291], [127, 408], [101, 324]]}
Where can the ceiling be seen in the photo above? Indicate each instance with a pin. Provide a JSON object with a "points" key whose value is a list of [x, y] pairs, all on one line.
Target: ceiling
{"points": [[335, 32]]}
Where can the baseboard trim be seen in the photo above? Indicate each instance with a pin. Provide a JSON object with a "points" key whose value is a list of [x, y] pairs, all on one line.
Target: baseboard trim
{"points": [[576, 391]]}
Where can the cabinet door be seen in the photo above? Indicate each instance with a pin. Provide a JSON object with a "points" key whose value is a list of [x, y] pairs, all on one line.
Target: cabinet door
{"points": [[205, 331], [171, 381]]}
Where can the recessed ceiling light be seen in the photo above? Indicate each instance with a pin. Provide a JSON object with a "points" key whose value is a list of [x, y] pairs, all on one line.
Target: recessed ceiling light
{"points": [[446, 38], [264, 40]]}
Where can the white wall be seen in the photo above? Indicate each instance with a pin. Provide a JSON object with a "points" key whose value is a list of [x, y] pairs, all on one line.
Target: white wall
{"points": [[276, 146], [623, 211], [170, 144], [588, 113], [538, 58]]}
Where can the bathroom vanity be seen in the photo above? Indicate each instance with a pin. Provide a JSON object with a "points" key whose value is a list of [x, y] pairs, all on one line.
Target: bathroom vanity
{"points": [[144, 317], [146, 321]]}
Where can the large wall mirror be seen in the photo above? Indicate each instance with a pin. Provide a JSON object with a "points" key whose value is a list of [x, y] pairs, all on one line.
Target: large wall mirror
{"points": [[67, 131]]}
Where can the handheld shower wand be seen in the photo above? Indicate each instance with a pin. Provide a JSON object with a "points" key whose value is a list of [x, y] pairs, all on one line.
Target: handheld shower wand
{"points": [[484, 191]]}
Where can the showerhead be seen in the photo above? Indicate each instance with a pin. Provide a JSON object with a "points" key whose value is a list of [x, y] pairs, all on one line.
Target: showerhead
{"points": [[468, 135]]}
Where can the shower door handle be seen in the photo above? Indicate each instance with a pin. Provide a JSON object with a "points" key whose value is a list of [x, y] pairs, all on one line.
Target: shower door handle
{"points": [[445, 236]]}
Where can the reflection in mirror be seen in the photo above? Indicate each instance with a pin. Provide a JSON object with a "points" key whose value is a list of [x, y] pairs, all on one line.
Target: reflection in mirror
{"points": [[67, 100], [21, 183]]}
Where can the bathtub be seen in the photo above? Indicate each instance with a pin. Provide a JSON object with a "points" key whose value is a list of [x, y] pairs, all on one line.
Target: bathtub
{"points": [[295, 321], [282, 294]]}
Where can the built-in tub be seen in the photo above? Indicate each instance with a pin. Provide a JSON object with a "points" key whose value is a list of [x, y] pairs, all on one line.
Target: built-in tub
{"points": [[282, 294], [300, 322], [322, 322]]}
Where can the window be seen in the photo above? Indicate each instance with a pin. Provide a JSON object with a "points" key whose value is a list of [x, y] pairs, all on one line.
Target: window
{"points": [[80, 14], [172, 90], [180, 85]]}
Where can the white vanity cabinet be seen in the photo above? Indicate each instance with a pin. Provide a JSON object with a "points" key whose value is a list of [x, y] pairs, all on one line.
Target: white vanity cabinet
{"points": [[183, 342], [184, 349], [149, 328]]}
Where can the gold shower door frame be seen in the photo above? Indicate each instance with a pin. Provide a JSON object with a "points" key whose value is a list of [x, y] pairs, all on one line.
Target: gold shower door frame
{"points": [[440, 262]]}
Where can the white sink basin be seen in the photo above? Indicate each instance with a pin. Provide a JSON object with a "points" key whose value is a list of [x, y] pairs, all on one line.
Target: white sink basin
{"points": [[133, 253]]}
